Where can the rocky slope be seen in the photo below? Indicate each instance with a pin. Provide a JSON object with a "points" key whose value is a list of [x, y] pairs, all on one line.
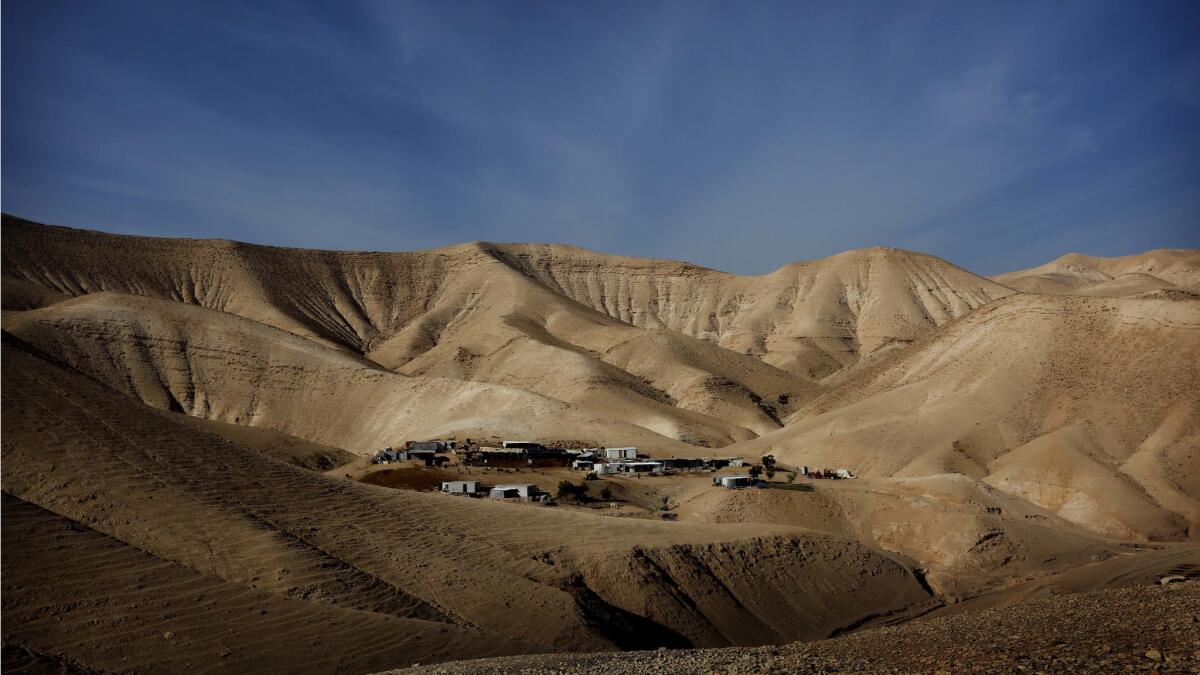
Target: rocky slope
{"points": [[1127, 630], [1086, 407], [181, 504], [169, 400], [808, 318], [457, 312], [1077, 274]]}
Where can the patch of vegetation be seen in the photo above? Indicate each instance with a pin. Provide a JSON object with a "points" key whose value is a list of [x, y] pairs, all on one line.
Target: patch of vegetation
{"points": [[794, 487], [569, 490]]}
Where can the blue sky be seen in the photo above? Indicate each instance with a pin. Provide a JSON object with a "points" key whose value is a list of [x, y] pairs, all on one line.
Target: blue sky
{"points": [[740, 136]]}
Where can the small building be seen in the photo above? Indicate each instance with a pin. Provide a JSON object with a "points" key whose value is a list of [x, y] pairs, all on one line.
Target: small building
{"points": [[523, 491], [620, 453], [426, 446], [583, 464], [653, 468], [460, 487], [606, 468], [732, 482], [522, 445], [386, 456], [682, 463], [722, 462], [430, 457]]}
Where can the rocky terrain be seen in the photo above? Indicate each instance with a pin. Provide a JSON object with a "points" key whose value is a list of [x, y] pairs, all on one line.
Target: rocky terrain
{"points": [[186, 428], [1127, 630], [1129, 276]]}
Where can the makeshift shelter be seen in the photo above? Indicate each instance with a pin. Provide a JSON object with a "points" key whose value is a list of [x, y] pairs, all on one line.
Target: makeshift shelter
{"points": [[460, 487]]}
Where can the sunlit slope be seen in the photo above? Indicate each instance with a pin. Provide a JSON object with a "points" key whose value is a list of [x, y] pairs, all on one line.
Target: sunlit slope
{"points": [[513, 574], [1087, 407], [670, 383], [1078, 274], [809, 318], [967, 535], [222, 367], [458, 312]]}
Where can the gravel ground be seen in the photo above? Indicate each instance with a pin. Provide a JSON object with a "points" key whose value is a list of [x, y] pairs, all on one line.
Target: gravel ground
{"points": [[1149, 628]]}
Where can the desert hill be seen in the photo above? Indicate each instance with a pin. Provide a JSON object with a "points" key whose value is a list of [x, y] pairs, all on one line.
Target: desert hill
{"points": [[456, 312], [969, 537], [1077, 274], [218, 366], [1087, 407], [198, 412], [184, 504], [809, 318], [486, 311], [1118, 630]]}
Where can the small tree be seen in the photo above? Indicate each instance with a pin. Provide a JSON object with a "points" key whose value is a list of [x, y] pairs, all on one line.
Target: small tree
{"points": [[606, 494], [565, 489], [666, 502], [569, 490], [755, 472]]}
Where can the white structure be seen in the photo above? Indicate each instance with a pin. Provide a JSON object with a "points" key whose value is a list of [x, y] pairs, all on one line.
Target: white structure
{"points": [[606, 468], [844, 473], [732, 482], [583, 464], [387, 455], [620, 453], [461, 487], [521, 490], [655, 468]]}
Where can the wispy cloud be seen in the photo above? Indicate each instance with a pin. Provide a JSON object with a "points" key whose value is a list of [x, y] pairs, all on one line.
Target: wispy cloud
{"points": [[741, 138]]}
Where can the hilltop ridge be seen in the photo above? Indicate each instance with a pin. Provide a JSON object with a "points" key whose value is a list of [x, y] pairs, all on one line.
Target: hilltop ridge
{"points": [[202, 415]]}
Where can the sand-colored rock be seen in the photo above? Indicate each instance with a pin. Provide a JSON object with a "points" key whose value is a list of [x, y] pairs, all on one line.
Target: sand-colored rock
{"points": [[519, 575], [1078, 274], [222, 367], [195, 415], [1046, 397]]}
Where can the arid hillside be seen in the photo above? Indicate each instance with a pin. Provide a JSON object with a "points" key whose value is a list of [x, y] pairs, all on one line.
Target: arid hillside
{"points": [[1175, 270], [187, 427], [97, 476], [724, 358], [1120, 630], [1087, 407], [219, 366], [809, 318]]}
